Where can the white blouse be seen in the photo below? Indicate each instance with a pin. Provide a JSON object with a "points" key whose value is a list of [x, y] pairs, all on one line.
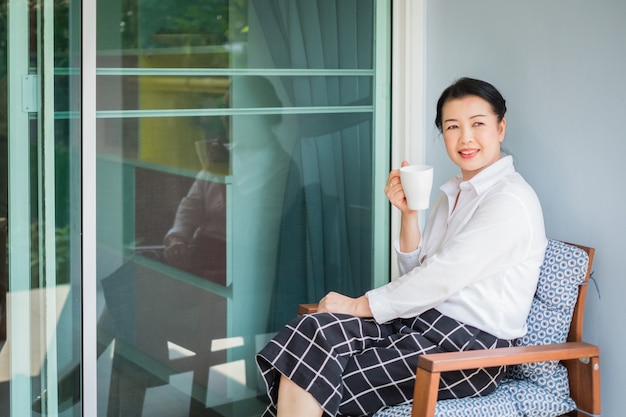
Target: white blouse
{"points": [[477, 263]]}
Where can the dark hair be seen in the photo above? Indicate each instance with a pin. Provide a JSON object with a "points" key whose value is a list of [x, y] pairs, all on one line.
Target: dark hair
{"points": [[464, 87]]}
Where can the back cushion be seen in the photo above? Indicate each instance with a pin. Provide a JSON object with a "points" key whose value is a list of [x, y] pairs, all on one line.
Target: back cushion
{"points": [[563, 271]]}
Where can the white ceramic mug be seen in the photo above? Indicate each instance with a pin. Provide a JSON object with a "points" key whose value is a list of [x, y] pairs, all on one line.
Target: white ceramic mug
{"points": [[417, 182]]}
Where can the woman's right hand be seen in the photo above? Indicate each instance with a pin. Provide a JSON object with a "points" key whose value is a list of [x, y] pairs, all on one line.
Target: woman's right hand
{"points": [[395, 192], [410, 235], [176, 252]]}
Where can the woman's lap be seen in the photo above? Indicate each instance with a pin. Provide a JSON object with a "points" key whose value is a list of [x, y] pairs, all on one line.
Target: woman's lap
{"points": [[355, 366], [313, 351]]}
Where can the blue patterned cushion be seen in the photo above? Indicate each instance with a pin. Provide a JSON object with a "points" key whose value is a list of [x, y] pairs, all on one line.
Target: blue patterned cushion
{"points": [[535, 389], [563, 270], [535, 401], [499, 403]]}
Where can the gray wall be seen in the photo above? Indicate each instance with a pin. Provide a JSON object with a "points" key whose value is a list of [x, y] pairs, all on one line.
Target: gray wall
{"points": [[561, 65]]}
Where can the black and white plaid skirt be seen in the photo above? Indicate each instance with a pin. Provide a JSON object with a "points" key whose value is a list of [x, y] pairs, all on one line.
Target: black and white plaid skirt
{"points": [[355, 367]]}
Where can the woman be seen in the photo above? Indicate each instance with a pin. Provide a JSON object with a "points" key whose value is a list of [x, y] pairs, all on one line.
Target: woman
{"points": [[466, 284]]}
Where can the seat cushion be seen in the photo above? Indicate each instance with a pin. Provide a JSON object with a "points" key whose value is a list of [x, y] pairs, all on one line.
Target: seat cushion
{"points": [[535, 401], [535, 389], [499, 403], [512, 398]]}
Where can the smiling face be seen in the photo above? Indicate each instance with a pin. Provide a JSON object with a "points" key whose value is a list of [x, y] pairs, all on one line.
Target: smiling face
{"points": [[472, 134]]}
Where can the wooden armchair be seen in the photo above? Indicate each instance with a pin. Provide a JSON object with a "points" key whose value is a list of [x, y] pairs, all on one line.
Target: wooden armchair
{"points": [[552, 372]]}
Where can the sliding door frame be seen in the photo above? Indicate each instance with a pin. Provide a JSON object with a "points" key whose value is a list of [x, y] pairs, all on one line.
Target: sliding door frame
{"points": [[18, 310], [408, 123], [88, 127]]}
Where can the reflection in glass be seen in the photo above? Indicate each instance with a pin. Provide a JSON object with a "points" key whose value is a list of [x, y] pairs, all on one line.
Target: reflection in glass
{"points": [[234, 181]]}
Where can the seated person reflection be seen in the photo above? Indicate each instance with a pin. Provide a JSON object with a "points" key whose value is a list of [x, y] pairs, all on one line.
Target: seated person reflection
{"points": [[196, 243], [255, 164]]}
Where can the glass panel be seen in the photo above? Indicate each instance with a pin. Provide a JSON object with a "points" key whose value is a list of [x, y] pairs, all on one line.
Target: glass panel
{"points": [[235, 150], [40, 308]]}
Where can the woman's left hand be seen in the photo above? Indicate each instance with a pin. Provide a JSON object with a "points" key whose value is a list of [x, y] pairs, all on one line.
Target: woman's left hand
{"points": [[334, 302]]}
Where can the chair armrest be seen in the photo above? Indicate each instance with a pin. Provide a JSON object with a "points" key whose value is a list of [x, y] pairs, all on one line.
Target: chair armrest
{"points": [[430, 366], [307, 309], [470, 359]]}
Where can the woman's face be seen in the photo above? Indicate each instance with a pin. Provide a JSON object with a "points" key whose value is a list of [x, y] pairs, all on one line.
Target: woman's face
{"points": [[472, 134]]}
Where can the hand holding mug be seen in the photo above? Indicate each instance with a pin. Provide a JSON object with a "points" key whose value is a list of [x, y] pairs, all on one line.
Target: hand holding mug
{"points": [[394, 190]]}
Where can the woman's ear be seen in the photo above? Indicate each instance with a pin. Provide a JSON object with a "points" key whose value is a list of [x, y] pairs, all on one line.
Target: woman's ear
{"points": [[502, 129]]}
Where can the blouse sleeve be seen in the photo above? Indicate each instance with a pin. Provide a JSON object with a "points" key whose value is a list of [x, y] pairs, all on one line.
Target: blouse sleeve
{"points": [[406, 260], [189, 213]]}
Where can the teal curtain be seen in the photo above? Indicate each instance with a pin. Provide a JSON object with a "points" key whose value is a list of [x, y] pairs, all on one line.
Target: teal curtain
{"points": [[325, 237]]}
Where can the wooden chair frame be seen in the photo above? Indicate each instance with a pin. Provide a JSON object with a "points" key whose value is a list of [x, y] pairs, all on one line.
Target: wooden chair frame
{"points": [[581, 359]]}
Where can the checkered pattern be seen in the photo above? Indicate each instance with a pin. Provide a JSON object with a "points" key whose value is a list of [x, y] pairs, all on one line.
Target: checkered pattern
{"points": [[355, 366]]}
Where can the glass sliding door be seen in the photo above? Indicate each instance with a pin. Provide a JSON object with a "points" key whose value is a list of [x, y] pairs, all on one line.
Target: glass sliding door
{"points": [[241, 152], [40, 282]]}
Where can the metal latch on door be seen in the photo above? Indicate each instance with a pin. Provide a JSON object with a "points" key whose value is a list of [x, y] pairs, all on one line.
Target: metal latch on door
{"points": [[29, 93]]}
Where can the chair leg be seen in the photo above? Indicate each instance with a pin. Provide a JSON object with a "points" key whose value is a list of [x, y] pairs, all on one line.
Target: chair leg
{"points": [[425, 393]]}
